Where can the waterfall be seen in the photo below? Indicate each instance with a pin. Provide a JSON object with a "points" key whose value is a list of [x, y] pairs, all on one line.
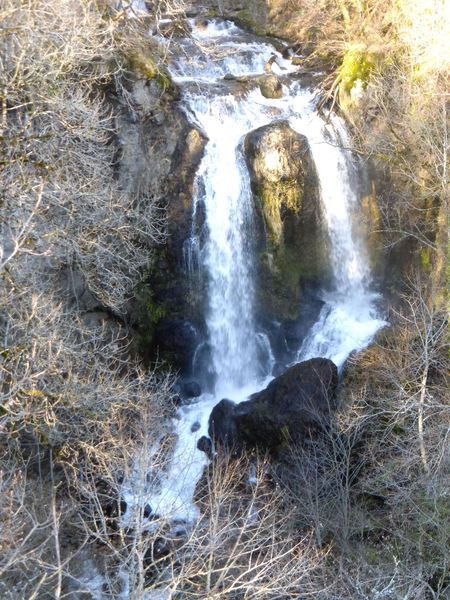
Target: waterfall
{"points": [[350, 316], [225, 191], [241, 356]]}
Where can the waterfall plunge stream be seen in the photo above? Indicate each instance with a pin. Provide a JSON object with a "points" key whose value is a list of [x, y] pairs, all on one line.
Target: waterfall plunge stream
{"points": [[349, 317]]}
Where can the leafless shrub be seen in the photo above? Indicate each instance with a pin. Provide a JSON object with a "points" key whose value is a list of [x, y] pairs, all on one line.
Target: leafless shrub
{"points": [[244, 544], [406, 449], [73, 399]]}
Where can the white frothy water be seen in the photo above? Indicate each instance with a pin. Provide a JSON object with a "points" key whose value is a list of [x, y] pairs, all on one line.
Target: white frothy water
{"points": [[350, 317], [241, 356], [228, 257], [227, 199]]}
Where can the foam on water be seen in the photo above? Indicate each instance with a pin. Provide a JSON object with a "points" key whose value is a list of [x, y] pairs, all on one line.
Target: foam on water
{"points": [[241, 356]]}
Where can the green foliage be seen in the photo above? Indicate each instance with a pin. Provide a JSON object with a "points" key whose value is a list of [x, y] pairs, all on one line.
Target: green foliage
{"points": [[147, 315], [425, 259], [143, 63], [156, 311], [357, 63]]}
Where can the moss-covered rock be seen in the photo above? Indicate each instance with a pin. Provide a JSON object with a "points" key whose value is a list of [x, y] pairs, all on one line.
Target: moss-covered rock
{"points": [[168, 296], [292, 244], [143, 64], [357, 66], [251, 15], [371, 225]]}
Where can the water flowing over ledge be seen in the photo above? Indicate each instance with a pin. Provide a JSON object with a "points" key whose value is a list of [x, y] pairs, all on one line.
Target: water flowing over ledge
{"points": [[349, 317]]}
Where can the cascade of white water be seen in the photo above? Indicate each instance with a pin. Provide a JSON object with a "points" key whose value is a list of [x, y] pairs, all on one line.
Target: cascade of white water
{"points": [[227, 257], [349, 318]]}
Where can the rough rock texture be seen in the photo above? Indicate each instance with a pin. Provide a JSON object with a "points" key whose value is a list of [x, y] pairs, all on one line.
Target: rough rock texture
{"points": [[176, 340], [298, 402], [292, 240], [270, 86], [249, 14], [160, 151]]}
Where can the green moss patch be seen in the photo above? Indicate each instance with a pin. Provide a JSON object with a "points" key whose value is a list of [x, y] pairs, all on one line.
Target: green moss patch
{"points": [[358, 63]]}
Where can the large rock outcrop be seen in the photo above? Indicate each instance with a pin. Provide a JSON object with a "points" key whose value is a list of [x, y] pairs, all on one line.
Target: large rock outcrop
{"points": [[299, 401], [292, 240], [159, 153]]}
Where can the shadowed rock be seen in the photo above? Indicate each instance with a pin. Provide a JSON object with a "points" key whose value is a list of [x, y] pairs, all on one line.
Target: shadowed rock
{"points": [[295, 404]]}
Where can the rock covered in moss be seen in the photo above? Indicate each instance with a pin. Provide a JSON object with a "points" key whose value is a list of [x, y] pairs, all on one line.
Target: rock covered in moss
{"points": [[270, 86], [293, 243]]}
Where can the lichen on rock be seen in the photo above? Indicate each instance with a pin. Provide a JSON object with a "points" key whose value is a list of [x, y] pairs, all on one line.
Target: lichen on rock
{"points": [[292, 244]]}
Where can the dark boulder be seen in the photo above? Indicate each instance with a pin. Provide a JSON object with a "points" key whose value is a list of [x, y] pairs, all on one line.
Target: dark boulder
{"points": [[195, 427], [296, 331], [191, 389], [185, 390], [222, 426], [295, 404], [204, 444]]}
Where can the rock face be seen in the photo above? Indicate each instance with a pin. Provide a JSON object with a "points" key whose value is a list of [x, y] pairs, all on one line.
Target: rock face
{"points": [[292, 240], [297, 402], [160, 151], [177, 340]]}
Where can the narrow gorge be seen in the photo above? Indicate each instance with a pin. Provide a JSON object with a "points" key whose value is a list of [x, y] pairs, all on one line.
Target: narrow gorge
{"points": [[275, 258]]}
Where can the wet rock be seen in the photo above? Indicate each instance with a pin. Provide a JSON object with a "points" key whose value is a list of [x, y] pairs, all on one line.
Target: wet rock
{"points": [[160, 548], [296, 331], [175, 28], [147, 511], [202, 24], [202, 367], [177, 400], [195, 426], [295, 404], [177, 340], [123, 506], [271, 86], [297, 61], [204, 444], [185, 391], [222, 425], [278, 369], [191, 389], [157, 155], [185, 161], [291, 238]]}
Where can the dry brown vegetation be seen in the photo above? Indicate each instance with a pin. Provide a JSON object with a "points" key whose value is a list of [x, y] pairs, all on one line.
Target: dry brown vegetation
{"points": [[362, 512], [73, 247], [388, 65], [388, 68]]}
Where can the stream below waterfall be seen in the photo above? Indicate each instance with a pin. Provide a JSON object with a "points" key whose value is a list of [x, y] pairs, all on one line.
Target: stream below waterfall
{"points": [[241, 356]]}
